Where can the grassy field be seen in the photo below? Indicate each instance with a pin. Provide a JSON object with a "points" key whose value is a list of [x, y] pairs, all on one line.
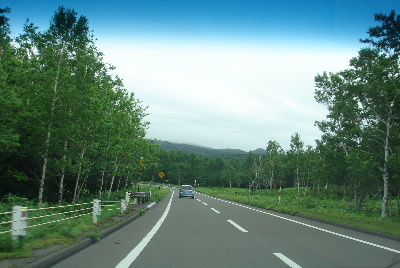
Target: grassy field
{"points": [[325, 205], [66, 232]]}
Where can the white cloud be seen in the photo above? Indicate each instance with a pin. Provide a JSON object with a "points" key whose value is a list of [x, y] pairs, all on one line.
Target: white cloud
{"points": [[226, 95]]}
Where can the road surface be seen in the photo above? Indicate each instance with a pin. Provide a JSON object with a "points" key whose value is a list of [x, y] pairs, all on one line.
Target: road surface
{"points": [[212, 232]]}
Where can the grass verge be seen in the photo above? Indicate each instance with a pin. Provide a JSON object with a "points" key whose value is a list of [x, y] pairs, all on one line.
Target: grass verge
{"points": [[324, 205], [67, 232]]}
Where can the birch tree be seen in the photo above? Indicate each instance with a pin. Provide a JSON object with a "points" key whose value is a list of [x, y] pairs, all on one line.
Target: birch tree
{"points": [[368, 93], [296, 154], [274, 153], [9, 100]]}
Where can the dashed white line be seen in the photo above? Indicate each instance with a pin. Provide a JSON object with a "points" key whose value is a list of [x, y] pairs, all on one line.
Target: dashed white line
{"points": [[321, 229], [204, 204], [216, 211], [237, 226], [286, 260]]}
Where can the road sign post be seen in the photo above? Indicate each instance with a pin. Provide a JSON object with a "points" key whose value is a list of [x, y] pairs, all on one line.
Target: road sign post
{"points": [[141, 163]]}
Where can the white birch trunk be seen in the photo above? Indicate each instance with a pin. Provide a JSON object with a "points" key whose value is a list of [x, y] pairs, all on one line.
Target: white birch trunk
{"points": [[48, 136], [101, 183], [385, 171], [78, 176], [113, 177], [61, 186]]}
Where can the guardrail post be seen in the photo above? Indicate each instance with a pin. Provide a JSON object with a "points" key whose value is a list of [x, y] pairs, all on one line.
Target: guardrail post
{"points": [[127, 198], [19, 222], [123, 206], [96, 210]]}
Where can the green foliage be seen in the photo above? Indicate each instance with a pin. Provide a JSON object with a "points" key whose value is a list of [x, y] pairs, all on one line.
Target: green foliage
{"points": [[158, 193], [329, 205], [95, 236], [364, 109], [70, 131], [66, 231], [66, 120]]}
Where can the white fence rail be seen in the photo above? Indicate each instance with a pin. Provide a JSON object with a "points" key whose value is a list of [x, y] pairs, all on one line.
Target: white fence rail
{"points": [[20, 215]]}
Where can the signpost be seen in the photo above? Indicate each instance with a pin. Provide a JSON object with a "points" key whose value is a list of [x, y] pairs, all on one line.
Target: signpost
{"points": [[280, 190], [141, 163]]}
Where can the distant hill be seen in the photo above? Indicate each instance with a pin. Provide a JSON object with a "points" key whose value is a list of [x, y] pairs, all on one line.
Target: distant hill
{"points": [[201, 150]]}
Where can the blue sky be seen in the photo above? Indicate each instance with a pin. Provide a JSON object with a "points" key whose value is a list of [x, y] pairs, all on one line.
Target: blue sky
{"points": [[222, 74]]}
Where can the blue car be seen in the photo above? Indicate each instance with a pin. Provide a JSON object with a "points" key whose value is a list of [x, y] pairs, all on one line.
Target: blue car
{"points": [[186, 191]]}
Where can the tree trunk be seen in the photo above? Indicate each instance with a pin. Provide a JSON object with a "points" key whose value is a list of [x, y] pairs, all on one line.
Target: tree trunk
{"points": [[78, 176], [77, 185], [113, 177], [271, 179], [385, 201], [111, 185], [81, 189], [385, 170], [119, 181], [61, 186], [126, 182], [48, 138], [101, 183], [298, 177]]}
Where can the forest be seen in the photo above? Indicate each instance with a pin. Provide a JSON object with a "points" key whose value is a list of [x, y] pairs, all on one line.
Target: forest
{"points": [[69, 128]]}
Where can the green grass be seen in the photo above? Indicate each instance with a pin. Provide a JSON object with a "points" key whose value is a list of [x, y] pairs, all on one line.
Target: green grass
{"points": [[324, 205], [67, 232]]}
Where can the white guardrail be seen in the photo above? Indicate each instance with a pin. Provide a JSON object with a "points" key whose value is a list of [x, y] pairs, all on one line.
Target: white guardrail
{"points": [[19, 215]]}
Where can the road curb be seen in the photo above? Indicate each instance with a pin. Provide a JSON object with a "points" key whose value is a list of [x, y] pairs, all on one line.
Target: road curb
{"points": [[58, 256]]}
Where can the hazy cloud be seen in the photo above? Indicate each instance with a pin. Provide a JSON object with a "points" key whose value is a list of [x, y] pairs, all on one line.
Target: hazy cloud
{"points": [[226, 96]]}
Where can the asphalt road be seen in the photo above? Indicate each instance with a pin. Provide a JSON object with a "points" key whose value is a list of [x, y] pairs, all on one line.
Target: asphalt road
{"points": [[210, 232]]}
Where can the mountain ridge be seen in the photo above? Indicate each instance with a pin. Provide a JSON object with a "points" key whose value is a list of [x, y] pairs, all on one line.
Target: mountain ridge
{"points": [[202, 150]]}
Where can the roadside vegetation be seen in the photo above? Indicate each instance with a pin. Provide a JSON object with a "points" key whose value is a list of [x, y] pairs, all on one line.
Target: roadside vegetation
{"points": [[70, 132], [329, 204], [67, 232]]}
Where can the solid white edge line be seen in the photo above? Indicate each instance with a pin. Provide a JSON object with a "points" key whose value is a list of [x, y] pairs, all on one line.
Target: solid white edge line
{"points": [[286, 260], [237, 226], [131, 257], [337, 234], [329, 232]]}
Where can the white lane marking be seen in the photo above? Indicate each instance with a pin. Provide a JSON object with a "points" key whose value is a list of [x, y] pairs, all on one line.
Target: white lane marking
{"points": [[204, 204], [131, 257], [286, 260], [327, 231], [216, 211], [337, 234], [237, 226]]}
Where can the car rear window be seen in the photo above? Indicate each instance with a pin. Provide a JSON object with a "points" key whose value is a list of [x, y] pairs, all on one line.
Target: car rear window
{"points": [[187, 187]]}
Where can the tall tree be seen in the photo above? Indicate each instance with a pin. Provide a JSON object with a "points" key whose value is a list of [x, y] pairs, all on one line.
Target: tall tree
{"points": [[274, 153], [296, 154], [9, 101], [364, 100]]}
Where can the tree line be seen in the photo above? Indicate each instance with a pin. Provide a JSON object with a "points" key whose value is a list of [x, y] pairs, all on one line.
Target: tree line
{"points": [[69, 128], [359, 148]]}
